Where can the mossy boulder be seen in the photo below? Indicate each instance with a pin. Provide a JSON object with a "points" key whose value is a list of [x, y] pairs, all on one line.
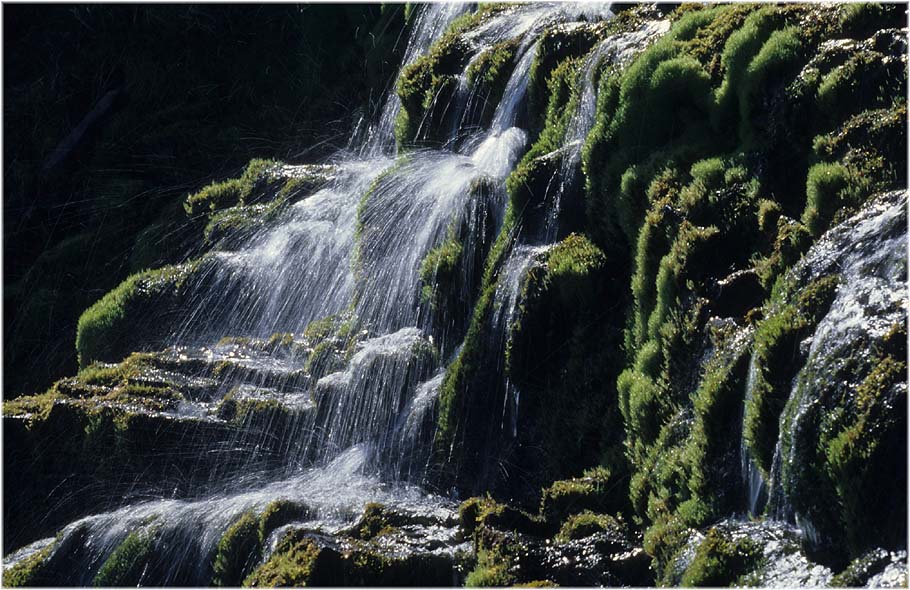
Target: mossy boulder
{"points": [[587, 523], [307, 559], [128, 563], [238, 551], [595, 491], [107, 331], [720, 561]]}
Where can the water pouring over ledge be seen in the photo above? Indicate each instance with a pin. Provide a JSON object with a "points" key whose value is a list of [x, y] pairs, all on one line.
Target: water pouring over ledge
{"points": [[503, 311], [353, 250]]}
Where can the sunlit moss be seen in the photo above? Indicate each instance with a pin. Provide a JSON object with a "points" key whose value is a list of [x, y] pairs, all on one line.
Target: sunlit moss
{"points": [[238, 551], [127, 564]]}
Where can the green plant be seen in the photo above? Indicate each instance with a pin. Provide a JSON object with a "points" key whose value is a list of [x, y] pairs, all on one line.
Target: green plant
{"points": [[238, 551], [128, 562]]}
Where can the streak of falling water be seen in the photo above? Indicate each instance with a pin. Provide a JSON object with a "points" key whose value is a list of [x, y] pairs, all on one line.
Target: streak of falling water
{"points": [[429, 25], [754, 483], [869, 255], [613, 51], [505, 310]]}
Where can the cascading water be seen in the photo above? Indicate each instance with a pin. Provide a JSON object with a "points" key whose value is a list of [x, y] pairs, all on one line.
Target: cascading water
{"points": [[869, 255], [351, 251], [754, 482]]}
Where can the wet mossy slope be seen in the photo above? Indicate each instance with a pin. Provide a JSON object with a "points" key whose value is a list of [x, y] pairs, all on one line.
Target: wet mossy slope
{"points": [[719, 155], [664, 346]]}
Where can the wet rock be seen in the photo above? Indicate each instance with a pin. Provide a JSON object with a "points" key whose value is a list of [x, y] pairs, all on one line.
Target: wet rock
{"points": [[387, 547], [843, 428], [737, 294], [876, 569]]}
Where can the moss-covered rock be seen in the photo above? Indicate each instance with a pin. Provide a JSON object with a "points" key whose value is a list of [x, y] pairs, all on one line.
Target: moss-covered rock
{"points": [[587, 523], [238, 551], [720, 561], [31, 570], [487, 76], [107, 330], [776, 359], [595, 491], [127, 564], [278, 514], [305, 559]]}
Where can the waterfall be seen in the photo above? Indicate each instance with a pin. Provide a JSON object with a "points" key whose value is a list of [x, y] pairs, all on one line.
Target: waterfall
{"points": [[430, 24], [869, 255], [350, 252], [754, 483]]}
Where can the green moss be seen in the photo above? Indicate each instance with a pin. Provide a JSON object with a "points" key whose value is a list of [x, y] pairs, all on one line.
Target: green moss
{"points": [[718, 404], [860, 443], [127, 564], [238, 551], [430, 80], [29, 571], [243, 411], [375, 522], [719, 561], [776, 347], [474, 512], [792, 240], [291, 564], [587, 523], [438, 269], [280, 340], [489, 73], [595, 490], [104, 329], [859, 20], [557, 46], [775, 63], [491, 571], [740, 49], [459, 372], [229, 193], [36, 406], [768, 214], [867, 80], [862, 569], [829, 188], [277, 514]]}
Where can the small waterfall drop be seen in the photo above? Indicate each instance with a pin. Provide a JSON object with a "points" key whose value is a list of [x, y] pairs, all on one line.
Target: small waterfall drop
{"points": [[755, 486]]}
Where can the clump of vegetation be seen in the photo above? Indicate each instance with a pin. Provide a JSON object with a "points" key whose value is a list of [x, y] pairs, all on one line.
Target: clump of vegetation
{"points": [[30, 570], [478, 514], [438, 270], [830, 188], [277, 514], [245, 410], [587, 523], [491, 571], [129, 561], [719, 560], [106, 329], [776, 351], [291, 564], [859, 445], [376, 521], [595, 490], [238, 551], [489, 74]]}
